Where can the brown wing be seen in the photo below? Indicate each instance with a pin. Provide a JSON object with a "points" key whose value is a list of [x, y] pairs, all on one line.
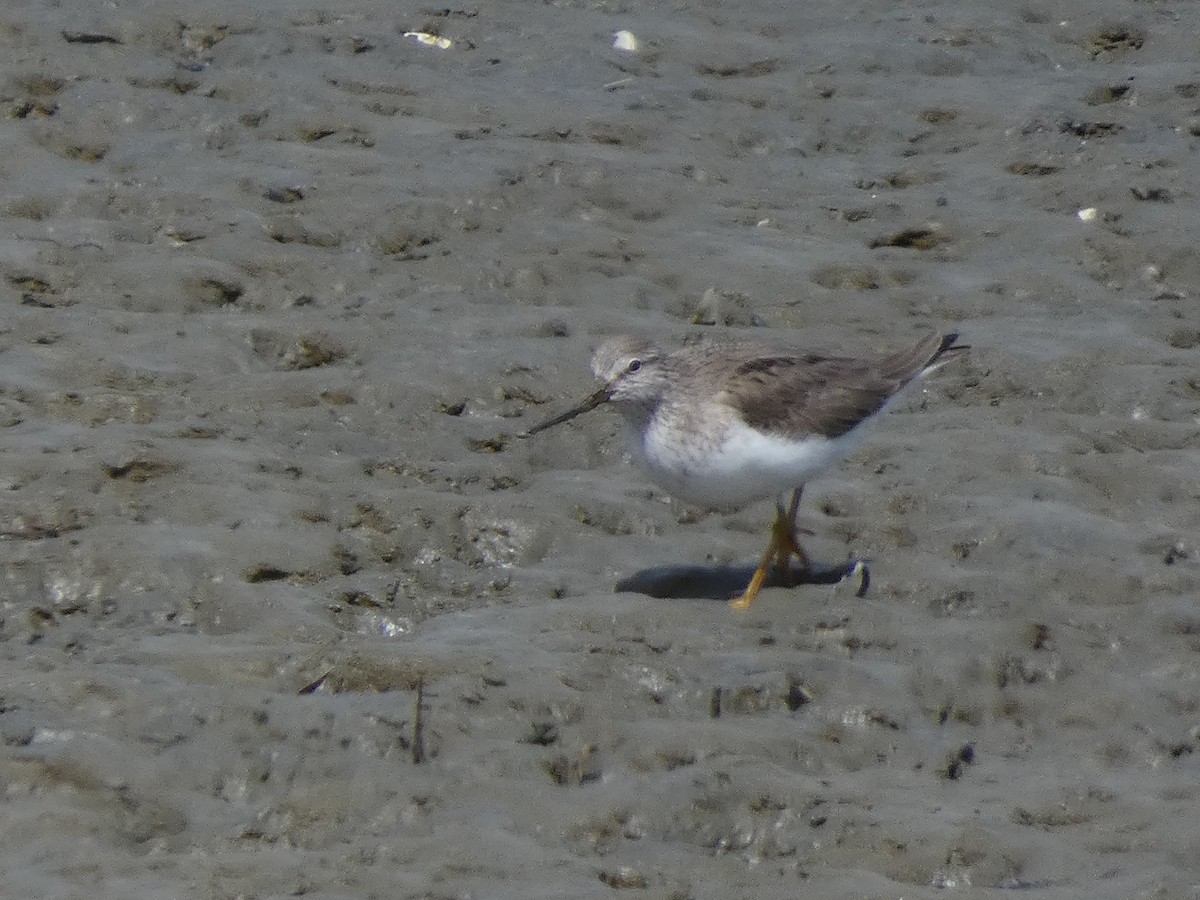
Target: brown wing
{"points": [[797, 395], [801, 395]]}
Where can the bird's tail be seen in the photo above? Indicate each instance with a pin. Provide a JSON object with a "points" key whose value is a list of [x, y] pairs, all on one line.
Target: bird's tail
{"points": [[931, 352]]}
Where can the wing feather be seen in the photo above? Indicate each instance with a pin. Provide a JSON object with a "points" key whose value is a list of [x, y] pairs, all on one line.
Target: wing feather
{"points": [[803, 395], [799, 394]]}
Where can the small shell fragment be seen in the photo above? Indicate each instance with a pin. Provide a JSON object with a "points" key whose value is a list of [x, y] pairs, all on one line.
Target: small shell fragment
{"points": [[1087, 215], [430, 40], [625, 40]]}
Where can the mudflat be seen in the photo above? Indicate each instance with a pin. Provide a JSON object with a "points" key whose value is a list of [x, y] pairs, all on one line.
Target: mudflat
{"points": [[290, 610]]}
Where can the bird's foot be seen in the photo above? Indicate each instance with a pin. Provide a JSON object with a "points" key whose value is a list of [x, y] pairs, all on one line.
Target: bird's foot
{"points": [[782, 547]]}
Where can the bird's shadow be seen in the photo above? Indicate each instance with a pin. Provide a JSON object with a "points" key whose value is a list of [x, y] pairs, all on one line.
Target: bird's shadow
{"points": [[723, 582]]}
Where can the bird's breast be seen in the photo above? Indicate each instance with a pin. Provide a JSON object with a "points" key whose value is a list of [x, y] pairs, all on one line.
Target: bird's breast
{"points": [[721, 462]]}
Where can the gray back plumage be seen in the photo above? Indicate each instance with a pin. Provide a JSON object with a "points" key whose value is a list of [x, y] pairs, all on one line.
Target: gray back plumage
{"points": [[801, 394]]}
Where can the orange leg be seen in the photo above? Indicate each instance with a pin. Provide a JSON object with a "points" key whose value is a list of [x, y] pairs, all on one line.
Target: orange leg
{"points": [[782, 547]]}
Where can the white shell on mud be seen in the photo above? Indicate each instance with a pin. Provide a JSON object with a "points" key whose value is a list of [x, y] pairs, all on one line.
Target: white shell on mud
{"points": [[430, 40], [625, 40]]}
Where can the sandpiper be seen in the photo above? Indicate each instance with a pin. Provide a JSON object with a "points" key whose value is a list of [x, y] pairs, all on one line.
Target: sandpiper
{"points": [[721, 425]]}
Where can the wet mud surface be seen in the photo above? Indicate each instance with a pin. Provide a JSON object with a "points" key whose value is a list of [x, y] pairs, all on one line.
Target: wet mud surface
{"points": [[289, 610]]}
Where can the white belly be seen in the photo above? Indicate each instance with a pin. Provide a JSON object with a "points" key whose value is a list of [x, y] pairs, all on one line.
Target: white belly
{"points": [[744, 466]]}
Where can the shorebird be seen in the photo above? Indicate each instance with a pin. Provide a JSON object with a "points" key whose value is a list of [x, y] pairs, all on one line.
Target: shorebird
{"points": [[722, 425]]}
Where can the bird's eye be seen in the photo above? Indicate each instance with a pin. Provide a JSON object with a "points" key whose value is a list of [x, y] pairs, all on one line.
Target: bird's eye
{"points": [[634, 365]]}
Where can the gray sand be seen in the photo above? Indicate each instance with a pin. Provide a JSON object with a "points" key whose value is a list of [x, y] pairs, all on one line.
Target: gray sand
{"points": [[287, 609]]}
